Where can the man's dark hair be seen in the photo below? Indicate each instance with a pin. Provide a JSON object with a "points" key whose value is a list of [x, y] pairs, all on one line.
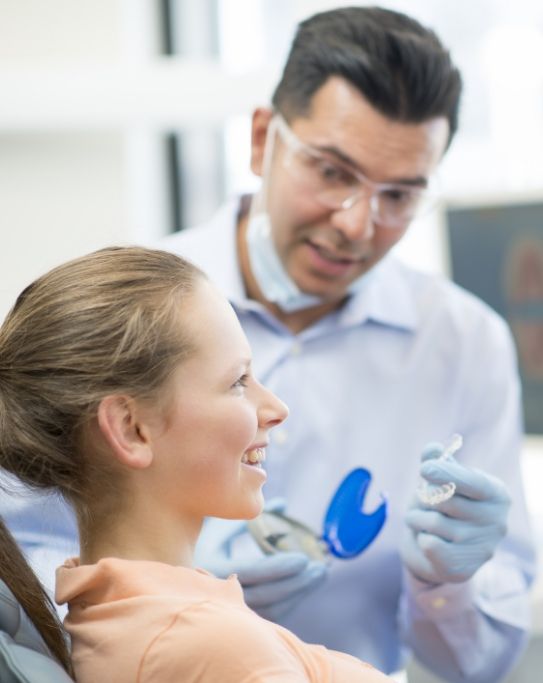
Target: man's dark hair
{"points": [[398, 65]]}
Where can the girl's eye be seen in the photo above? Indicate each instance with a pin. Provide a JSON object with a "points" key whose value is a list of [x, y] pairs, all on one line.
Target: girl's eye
{"points": [[241, 382]]}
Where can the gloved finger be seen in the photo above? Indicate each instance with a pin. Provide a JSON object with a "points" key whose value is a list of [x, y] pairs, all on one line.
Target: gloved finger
{"points": [[276, 504], [278, 610], [431, 451], [433, 560], [477, 512], [453, 562], [279, 591], [453, 530], [417, 563], [470, 482], [270, 568], [433, 522]]}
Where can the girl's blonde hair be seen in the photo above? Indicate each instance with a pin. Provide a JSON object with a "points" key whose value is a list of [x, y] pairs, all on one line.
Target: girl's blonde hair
{"points": [[109, 322], [101, 324]]}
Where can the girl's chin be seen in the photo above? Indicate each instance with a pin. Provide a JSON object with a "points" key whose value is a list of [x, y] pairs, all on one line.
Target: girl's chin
{"points": [[254, 507], [257, 510], [249, 510]]}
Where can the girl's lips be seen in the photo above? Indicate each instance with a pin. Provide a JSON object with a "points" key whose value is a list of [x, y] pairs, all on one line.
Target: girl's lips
{"points": [[253, 459], [257, 469]]}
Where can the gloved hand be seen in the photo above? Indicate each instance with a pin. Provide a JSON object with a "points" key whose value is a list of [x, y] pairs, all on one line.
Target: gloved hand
{"points": [[449, 542], [272, 584]]}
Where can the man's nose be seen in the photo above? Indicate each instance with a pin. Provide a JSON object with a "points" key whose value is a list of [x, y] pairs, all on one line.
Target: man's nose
{"points": [[355, 221]]}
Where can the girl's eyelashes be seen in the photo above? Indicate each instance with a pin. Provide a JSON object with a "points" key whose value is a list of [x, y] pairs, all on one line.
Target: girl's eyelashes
{"points": [[242, 381]]}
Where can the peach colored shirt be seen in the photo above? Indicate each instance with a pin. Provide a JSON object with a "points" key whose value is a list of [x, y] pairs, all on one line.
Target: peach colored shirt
{"points": [[147, 622]]}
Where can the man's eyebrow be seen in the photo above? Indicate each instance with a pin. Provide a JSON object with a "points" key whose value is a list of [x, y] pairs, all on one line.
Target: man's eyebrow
{"points": [[417, 181]]}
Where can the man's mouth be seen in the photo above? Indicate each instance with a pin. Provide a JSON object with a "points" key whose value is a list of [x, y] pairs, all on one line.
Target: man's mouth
{"points": [[333, 256]]}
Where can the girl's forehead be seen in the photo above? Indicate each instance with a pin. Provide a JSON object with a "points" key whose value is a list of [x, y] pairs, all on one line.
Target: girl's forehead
{"points": [[213, 326]]}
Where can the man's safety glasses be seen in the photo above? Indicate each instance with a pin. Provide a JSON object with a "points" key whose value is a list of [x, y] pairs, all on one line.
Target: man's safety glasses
{"points": [[337, 186]]}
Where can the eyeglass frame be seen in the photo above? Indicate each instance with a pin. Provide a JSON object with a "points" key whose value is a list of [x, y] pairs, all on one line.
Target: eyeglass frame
{"points": [[294, 145]]}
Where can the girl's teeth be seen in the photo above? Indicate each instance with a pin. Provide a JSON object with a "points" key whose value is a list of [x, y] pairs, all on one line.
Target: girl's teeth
{"points": [[256, 456]]}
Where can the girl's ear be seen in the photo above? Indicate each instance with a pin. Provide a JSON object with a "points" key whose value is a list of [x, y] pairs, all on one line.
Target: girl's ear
{"points": [[261, 121], [125, 433]]}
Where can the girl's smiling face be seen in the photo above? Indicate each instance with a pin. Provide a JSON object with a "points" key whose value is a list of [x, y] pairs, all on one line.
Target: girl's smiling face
{"points": [[217, 420]]}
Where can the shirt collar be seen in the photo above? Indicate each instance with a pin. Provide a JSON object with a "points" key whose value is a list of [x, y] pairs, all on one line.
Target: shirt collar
{"points": [[385, 300], [221, 263]]}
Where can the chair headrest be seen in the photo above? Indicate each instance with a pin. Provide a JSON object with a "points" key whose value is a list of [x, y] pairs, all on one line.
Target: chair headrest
{"points": [[24, 657], [9, 610], [15, 622]]}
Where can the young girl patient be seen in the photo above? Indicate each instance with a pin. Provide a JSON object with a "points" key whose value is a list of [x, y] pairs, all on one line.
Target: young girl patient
{"points": [[126, 386]]}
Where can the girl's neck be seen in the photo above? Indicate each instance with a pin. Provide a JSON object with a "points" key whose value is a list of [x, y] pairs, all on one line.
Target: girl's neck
{"points": [[132, 536]]}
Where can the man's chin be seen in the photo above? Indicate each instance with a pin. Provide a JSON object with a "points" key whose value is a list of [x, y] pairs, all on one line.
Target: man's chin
{"points": [[327, 289]]}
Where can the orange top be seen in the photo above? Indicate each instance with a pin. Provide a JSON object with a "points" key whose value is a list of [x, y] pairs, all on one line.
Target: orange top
{"points": [[143, 622]]}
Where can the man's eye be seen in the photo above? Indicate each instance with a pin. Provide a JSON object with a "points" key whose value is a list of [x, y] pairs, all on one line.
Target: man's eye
{"points": [[328, 170], [242, 381], [398, 195], [332, 173]]}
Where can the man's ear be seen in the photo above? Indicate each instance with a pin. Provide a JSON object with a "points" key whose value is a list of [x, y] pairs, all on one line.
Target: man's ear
{"points": [[261, 121], [124, 432]]}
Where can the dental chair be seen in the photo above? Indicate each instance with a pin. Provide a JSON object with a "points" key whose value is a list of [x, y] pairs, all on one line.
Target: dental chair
{"points": [[24, 657]]}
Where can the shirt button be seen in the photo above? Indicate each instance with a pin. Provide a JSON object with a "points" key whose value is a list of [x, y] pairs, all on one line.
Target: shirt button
{"points": [[438, 603], [280, 436], [296, 349]]}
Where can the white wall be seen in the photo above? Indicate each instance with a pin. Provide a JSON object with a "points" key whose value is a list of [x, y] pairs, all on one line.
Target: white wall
{"points": [[85, 97], [60, 190], [61, 194], [36, 32]]}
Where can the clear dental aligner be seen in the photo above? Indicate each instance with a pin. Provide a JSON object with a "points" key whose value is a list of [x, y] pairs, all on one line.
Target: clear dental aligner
{"points": [[432, 494]]}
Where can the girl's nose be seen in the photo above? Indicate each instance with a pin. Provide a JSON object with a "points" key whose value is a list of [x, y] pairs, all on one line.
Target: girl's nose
{"points": [[272, 411]]}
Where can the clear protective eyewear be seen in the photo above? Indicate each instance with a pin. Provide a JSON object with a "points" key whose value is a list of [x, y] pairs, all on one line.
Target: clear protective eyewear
{"points": [[347, 529], [338, 186]]}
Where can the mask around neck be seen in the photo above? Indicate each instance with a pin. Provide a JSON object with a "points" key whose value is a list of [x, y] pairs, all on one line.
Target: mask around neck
{"points": [[272, 278]]}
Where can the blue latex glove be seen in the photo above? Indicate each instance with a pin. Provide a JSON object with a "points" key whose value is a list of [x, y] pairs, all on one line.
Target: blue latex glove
{"points": [[449, 542], [272, 584]]}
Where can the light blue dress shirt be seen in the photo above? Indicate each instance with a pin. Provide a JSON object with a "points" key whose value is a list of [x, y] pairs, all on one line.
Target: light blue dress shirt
{"points": [[409, 359]]}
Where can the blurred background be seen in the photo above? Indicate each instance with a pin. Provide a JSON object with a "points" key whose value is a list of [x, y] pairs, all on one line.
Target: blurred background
{"points": [[124, 120]]}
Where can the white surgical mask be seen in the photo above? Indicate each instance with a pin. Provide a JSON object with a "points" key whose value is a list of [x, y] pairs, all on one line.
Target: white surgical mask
{"points": [[273, 280]]}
